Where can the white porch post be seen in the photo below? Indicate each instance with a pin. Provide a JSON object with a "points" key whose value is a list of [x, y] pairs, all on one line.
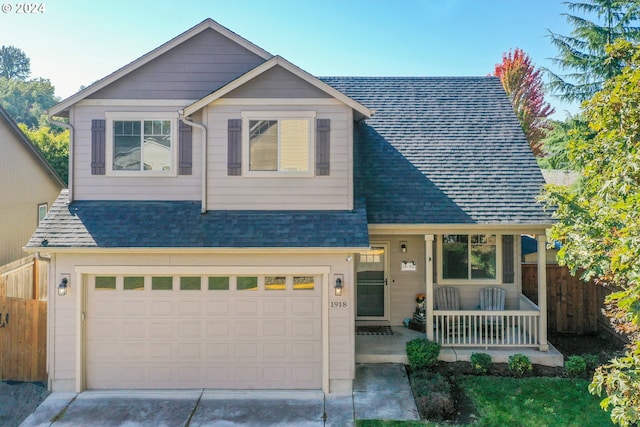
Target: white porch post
{"points": [[428, 238], [542, 289]]}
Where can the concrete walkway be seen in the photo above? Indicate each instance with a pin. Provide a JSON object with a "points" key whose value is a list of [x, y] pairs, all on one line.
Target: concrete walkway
{"points": [[379, 392]]}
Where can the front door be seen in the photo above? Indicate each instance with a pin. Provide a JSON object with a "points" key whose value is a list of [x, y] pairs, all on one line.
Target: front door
{"points": [[372, 292]]}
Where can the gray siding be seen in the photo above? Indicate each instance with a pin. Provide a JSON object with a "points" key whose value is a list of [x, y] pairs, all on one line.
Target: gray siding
{"points": [[297, 193], [191, 70], [277, 83], [104, 187]]}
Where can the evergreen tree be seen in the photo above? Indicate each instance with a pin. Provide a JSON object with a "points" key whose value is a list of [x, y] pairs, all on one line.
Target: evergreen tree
{"points": [[582, 54]]}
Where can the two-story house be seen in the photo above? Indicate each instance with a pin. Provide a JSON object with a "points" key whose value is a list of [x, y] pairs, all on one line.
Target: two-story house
{"points": [[230, 218]]}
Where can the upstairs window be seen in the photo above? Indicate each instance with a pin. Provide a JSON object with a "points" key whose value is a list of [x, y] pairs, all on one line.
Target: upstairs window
{"points": [[278, 143], [141, 145]]}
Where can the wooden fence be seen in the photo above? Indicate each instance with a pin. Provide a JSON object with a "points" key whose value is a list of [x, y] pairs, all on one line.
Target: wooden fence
{"points": [[23, 319], [25, 278], [573, 306], [23, 339]]}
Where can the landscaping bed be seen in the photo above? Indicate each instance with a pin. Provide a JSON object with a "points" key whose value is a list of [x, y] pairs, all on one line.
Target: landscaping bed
{"points": [[515, 393]]}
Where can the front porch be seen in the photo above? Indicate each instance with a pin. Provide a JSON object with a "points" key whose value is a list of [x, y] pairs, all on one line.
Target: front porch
{"points": [[392, 349]]}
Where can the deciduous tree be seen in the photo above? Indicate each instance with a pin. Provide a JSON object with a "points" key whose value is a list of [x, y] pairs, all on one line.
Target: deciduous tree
{"points": [[53, 145], [26, 101], [599, 221], [14, 63], [524, 86]]}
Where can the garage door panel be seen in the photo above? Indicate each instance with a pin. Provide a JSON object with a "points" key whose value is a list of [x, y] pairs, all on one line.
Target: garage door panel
{"points": [[204, 339], [135, 308], [275, 307], [247, 307], [134, 329], [161, 329], [246, 328], [189, 308], [219, 307], [161, 308], [189, 329]]}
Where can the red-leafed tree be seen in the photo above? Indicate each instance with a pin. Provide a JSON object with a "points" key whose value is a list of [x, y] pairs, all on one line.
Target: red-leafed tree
{"points": [[524, 86]]}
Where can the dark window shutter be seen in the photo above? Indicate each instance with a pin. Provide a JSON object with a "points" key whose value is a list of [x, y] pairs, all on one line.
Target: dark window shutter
{"points": [[323, 146], [234, 147], [185, 147], [97, 147], [508, 273]]}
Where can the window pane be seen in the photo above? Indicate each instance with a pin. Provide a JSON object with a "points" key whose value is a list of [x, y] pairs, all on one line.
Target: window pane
{"points": [[275, 283], [218, 283], [306, 283], [157, 145], [42, 212], [263, 145], [190, 283], [483, 256], [294, 145], [247, 283], [105, 283], [161, 283], [455, 256], [134, 283], [126, 145]]}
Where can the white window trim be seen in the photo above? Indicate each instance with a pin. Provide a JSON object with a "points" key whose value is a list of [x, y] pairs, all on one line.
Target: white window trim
{"points": [[440, 259], [44, 205], [280, 115], [111, 117]]}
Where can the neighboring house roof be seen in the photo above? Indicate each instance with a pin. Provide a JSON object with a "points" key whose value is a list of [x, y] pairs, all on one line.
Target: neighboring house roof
{"points": [[179, 224], [31, 148], [61, 109], [265, 66], [442, 150], [560, 177]]}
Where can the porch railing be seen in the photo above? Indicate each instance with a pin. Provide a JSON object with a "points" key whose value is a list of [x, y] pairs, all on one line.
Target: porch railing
{"points": [[475, 328]]}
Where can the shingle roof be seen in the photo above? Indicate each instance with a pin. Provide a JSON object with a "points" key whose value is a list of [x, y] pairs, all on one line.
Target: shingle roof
{"points": [[159, 224], [442, 150]]}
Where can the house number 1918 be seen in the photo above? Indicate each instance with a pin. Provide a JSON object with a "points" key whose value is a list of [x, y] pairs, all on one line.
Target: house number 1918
{"points": [[338, 304]]}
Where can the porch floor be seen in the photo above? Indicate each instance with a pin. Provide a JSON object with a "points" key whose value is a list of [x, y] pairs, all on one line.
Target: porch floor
{"points": [[391, 349]]}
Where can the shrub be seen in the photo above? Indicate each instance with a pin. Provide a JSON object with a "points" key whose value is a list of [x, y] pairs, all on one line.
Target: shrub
{"points": [[592, 361], [422, 353], [480, 363], [575, 366], [433, 395], [520, 364]]}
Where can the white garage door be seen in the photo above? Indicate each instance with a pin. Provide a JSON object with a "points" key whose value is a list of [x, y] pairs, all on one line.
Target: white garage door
{"points": [[236, 332]]}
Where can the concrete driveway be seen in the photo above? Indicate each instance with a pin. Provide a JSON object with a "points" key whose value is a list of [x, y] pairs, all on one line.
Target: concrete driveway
{"points": [[379, 392]]}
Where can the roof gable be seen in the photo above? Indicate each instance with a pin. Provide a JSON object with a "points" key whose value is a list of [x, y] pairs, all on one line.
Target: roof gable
{"points": [[278, 61], [442, 150], [30, 147], [193, 33]]}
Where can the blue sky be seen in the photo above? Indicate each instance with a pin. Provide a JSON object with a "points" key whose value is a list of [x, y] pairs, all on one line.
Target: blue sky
{"points": [[76, 42]]}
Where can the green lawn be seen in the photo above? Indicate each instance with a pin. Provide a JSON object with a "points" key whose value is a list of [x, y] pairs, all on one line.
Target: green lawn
{"points": [[524, 402]]}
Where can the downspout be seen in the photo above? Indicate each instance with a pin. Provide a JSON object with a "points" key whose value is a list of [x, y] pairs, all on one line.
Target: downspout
{"points": [[70, 164], [203, 129]]}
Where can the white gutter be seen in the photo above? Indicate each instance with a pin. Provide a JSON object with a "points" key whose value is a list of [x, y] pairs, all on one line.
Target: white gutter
{"points": [[202, 128], [70, 163]]}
